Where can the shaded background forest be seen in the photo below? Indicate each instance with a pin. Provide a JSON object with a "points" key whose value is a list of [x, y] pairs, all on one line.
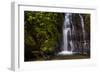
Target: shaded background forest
{"points": [[43, 34]]}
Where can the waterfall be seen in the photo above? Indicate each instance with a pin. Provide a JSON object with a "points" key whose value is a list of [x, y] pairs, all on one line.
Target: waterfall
{"points": [[67, 42], [68, 29], [83, 30]]}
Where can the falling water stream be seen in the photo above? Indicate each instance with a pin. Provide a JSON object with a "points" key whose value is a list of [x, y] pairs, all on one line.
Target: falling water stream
{"points": [[83, 30], [66, 33], [68, 45]]}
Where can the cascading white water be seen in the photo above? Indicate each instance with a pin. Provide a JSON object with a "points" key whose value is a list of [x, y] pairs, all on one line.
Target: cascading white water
{"points": [[83, 29], [66, 33]]}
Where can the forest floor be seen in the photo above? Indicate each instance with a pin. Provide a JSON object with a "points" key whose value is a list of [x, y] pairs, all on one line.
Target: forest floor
{"points": [[71, 57], [63, 57]]}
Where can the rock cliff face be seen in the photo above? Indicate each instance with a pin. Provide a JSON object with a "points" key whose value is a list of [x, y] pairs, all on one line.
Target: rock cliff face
{"points": [[80, 35]]}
